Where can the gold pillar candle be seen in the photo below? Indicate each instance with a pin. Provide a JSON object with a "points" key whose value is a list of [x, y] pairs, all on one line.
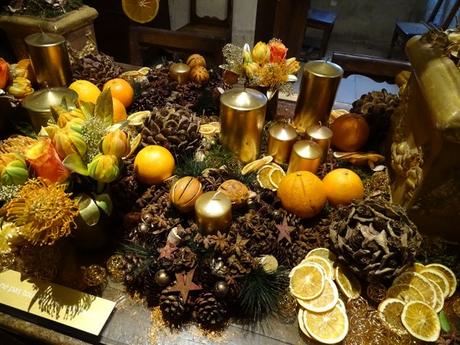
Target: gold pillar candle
{"points": [[179, 72], [213, 212], [50, 60], [242, 117], [39, 103], [320, 81], [282, 137], [305, 156], [321, 135]]}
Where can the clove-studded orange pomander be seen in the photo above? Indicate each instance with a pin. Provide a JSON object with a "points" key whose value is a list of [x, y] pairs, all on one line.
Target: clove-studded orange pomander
{"points": [[184, 193], [302, 193]]}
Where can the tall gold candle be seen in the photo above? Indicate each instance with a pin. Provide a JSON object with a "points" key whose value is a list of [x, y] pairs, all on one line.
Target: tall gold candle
{"points": [[242, 117], [281, 138], [321, 135], [305, 156], [213, 212], [179, 72], [318, 88], [48, 53]]}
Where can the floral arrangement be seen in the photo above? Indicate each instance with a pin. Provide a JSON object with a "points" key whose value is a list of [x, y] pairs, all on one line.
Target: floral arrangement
{"points": [[266, 65]]}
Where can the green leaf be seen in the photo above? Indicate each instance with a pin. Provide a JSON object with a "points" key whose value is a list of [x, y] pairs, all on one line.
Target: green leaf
{"points": [[104, 107], [445, 325], [89, 211], [74, 163], [87, 109], [104, 202]]}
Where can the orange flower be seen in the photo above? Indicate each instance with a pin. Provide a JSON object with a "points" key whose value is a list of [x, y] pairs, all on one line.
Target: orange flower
{"points": [[45, 161], [278, 51]]}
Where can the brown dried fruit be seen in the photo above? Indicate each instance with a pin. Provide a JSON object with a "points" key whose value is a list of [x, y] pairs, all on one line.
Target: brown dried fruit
{"points": [[236, 191], [199, 74], [184, 193]]}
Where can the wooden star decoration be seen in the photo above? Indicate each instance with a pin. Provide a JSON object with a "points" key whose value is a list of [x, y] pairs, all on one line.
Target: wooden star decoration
{"points": [[284, 231], [184, 284], [167, 251]]}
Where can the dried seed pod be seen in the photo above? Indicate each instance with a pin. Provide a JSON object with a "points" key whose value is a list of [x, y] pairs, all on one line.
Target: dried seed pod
{"points": [[199, 75], [236, 191], [196, 60], [184, 193]]}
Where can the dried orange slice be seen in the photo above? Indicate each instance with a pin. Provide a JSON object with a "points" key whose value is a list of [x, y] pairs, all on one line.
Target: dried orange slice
{"points": [[324, 263], [301, 321], [439, 302], [405, 292], [419, 282], [307, 281], [256, 165], [275, 177], [141, 11], [347, 282], [416, 267], [438, 278], [421, 321], [324, 302], [322, 252], [391, 309], [448, 274], [263, 177], [330, 327]]}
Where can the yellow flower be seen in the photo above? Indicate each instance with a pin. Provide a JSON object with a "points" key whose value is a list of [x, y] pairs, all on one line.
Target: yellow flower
{"points": [[116, 143], [252, 69], [261, 53], [292, 65], [104, 168]]}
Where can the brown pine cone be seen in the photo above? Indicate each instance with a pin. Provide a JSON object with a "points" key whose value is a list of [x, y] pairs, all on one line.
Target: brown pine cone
{"points": [[209, 311], [184, 259], [97, 68], [151, 195], [172, 306]]}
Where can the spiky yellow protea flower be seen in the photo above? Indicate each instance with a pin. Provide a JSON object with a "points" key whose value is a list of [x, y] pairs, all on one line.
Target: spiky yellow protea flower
{"points": [[16, 144], [42, 211]]}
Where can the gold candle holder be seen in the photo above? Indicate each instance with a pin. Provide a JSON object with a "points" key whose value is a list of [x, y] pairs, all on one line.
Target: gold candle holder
{"points": [[39, 103], [305, 156], [282, 137], [50, 60], [213, 212], [321, 135], [242, 117], [318, 88], [179, 72]]}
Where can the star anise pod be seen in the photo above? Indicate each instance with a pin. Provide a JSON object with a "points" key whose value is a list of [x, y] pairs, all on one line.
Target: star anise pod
{"points": [[219, 241], [240, 244]]}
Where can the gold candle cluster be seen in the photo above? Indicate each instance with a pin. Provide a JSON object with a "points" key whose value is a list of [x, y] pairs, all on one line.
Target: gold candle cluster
{"points": [[213, 212], [305, 156], [50, 59], [318, 88], [282, 137], [179, 72], [242, 117], [321, 135]]}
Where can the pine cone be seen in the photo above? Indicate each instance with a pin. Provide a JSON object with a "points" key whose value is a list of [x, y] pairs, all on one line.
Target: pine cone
{"points": [[184, 259], [132, 273], [172, 306], [212, 178], [374, 238], [124, 193], [208, 311], [97, 68], [174, 127]]}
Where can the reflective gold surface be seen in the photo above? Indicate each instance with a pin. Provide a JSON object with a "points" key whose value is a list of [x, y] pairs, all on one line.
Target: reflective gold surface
{"points": [[179, 72], [48, 53], [320, 81], [282, 137], [321, 135], [305, 156], [213, 212], [242, 117]]}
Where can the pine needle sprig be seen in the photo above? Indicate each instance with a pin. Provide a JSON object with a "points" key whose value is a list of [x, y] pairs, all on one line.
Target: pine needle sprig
{"points": [[190, 167]]}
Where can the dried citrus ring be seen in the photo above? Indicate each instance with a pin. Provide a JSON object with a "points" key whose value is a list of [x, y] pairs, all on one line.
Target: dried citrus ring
{"points": [[301, 321], [391, 309], [448, 274], [307, 281], [416, 267], [347, 282], [275, 177], [405, 292], [141, 11], [324, 263], [322, 252], [421, 321], [330, 327], [438, 278], [439, 301], [263, 177], [210, 128], [256, 165], [324, 302], [419, 282]]}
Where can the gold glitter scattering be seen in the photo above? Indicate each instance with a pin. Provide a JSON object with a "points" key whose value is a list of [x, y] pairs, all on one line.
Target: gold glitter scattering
{"points": [[116, 265], [94, 275], [287, 308]]}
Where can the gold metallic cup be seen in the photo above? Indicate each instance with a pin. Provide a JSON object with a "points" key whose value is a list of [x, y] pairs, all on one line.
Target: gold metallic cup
{"points": [[39, 103], [305, 156], [318, 88], [213, 212], [242, 117], [322, 136], [282, 137], [48, 53], [179, 72]]}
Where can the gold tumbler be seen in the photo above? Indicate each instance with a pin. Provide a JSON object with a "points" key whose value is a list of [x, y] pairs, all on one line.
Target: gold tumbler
{"points": [[305, 156], [242, 117], [318, 88], [48, 53]]}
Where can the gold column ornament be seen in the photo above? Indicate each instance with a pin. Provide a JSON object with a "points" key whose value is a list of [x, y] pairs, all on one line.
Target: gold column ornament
{"points": [[305, 156], [213, 211], [321, 135], [282, 137], [179, 72]]}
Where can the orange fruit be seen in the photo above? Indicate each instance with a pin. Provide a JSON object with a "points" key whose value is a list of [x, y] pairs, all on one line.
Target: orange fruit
{"points": [[87, 91], [343, 186], [141, 11], [302, 193], [350, 132], [119, 111], [153, 164], [121, 90]]}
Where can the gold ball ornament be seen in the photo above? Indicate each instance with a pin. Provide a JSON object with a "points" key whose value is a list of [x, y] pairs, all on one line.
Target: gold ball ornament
{"points": [[199, 75], [184, 193], [162, 278], [237, 192], [196, 60], [221, 289]]}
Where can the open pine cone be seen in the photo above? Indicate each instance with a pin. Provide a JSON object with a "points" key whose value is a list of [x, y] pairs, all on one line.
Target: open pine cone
{"points": [[208, 311], [172, 306], [97, 68], [374, 238]]}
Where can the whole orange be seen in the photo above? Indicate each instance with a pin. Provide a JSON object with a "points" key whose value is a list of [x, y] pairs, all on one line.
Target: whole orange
{"points": [[302, 193], [119, 111], [350, 132], [153, 164], [87, 91], [343, 186], [121, 90]]}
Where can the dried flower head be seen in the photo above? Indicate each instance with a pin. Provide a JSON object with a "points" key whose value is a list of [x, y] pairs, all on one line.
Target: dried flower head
{"points": [[42, 211], [16, 144]]}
